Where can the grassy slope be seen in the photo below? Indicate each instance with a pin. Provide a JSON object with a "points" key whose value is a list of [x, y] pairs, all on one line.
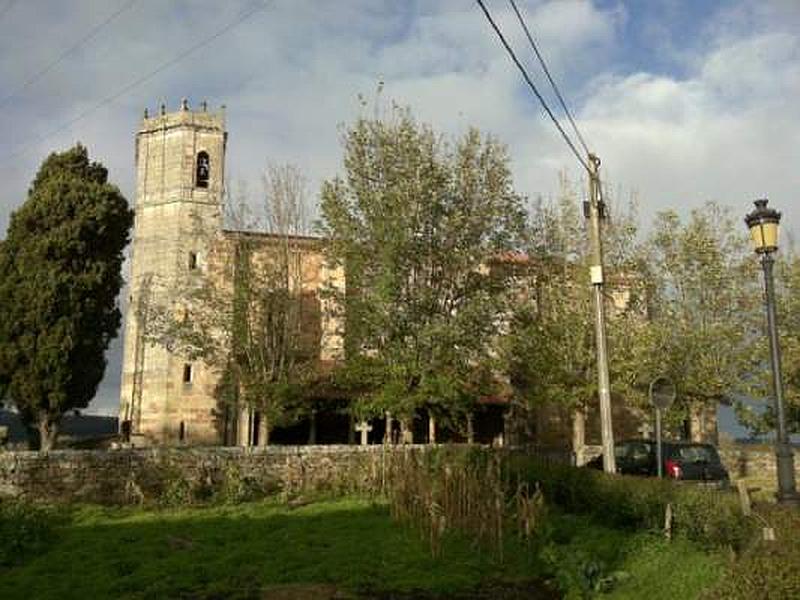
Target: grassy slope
{"points": [[623, 565], [234, 551], [230, 551]]}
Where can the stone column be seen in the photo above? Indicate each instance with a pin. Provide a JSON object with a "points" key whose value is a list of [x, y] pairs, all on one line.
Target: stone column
{"points": [[470, 428], [579, 436], [406, 435], [387, 434], [431, 429], [243, 437], [263, 431]]}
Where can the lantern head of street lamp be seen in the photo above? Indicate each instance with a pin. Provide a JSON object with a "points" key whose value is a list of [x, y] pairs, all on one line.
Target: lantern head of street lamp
{"points": [[763, 225]]}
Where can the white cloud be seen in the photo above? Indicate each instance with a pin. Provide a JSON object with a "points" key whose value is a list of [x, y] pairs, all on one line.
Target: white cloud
{"points": [[726, 127]]}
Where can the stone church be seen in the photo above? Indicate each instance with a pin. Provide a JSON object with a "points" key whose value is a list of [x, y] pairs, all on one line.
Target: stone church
{"points": [[179, 232], [178, 229]]}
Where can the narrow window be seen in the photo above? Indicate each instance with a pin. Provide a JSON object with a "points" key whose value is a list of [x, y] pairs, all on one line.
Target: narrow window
{"points": [[182, 432], [203, 169], [187, 373], [192, 261]]}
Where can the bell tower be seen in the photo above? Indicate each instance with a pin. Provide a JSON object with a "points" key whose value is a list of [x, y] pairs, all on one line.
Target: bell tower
{"points": [[180, 173]]}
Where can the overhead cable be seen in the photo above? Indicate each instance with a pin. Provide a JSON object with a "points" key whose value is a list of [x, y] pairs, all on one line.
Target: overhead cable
{"points": [[533, 88], [549, 77], [49, 67], [163, 66]]}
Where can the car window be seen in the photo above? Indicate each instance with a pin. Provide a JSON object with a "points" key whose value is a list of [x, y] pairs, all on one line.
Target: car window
{"points": [[697, 453], [639, 451]]}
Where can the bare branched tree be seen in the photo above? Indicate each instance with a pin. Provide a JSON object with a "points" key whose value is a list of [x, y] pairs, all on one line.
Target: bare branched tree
{"points": [[243, 313]]}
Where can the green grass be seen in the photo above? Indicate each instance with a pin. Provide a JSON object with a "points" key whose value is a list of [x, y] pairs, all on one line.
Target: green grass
{"points": [[235, 551], [590, 560], [350, 545]]}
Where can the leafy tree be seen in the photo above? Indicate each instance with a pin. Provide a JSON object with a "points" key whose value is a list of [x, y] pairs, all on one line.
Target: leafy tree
{"points": [[550, 352], [417, 222], [246, 315], [702, 302], [787, 283], [60, 274]]}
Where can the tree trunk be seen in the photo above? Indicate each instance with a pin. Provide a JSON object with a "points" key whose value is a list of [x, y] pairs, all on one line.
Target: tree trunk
{"points": [[48, 432]]}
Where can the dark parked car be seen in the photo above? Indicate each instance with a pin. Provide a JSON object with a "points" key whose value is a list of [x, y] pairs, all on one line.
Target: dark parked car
{"points": [[684, 461]]}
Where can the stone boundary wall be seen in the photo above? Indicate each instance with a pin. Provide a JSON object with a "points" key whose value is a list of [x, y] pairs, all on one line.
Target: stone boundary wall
{"points": [[126, 476], [741, 460], [135, 475], [161, 474], [759, 462]]}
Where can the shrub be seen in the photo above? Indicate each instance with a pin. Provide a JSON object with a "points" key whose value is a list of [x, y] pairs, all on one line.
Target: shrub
{"points": [[177, 492], [24, 529], [235, 488], [768, 569], [709, 517]]}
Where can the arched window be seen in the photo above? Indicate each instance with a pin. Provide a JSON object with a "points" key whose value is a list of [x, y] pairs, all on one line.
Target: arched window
{"points": [[203, 169]]}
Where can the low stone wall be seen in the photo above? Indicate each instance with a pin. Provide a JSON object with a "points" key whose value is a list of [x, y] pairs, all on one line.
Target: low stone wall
{"points": [[742, 461], [135, 475]]}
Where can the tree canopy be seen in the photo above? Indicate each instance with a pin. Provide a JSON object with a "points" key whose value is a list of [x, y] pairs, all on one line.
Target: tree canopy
{"points": [[417, 221], [60, 275]]}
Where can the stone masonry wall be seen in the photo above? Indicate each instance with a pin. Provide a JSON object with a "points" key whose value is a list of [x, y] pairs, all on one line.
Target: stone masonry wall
{"points": [[741, 460], [756, 462], [134, 475]]}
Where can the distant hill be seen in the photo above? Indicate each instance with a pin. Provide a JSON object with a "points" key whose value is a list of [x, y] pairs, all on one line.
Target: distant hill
{"points": [[75, 428]]}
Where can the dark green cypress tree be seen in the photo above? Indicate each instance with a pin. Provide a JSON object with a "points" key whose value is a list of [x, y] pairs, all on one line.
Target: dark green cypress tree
{"points": [[60, 275]]}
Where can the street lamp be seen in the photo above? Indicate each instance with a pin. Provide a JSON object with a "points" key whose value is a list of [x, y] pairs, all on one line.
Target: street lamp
{"points": [[763, 224]]}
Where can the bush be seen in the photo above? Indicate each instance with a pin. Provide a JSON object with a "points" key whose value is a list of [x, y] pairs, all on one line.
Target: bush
{"points": [[769, 569], [710, 517], [24, 530], [235, 488], [177, 492]]}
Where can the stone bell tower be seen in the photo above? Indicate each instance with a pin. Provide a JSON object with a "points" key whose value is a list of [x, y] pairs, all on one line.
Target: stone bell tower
{"points": [[180, 168]]}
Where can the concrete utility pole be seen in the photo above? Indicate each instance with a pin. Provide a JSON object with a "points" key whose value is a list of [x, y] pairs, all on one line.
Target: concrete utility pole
{"points": [[596, 214]]}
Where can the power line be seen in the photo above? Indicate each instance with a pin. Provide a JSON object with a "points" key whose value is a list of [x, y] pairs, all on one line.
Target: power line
{"points": [[531, 85], [163, 66], [91, 34], [549, 77]]}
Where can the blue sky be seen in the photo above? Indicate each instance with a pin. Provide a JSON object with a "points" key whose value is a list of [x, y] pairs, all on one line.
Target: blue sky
{"points": [[684, 100]]}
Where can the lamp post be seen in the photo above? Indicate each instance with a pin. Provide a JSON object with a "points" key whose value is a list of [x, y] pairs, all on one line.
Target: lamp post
{"points": [[763, 225]]}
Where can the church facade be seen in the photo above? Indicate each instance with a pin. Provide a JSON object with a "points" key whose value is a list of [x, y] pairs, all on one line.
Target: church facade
{"points": [[167, 399], [178, 233]]}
